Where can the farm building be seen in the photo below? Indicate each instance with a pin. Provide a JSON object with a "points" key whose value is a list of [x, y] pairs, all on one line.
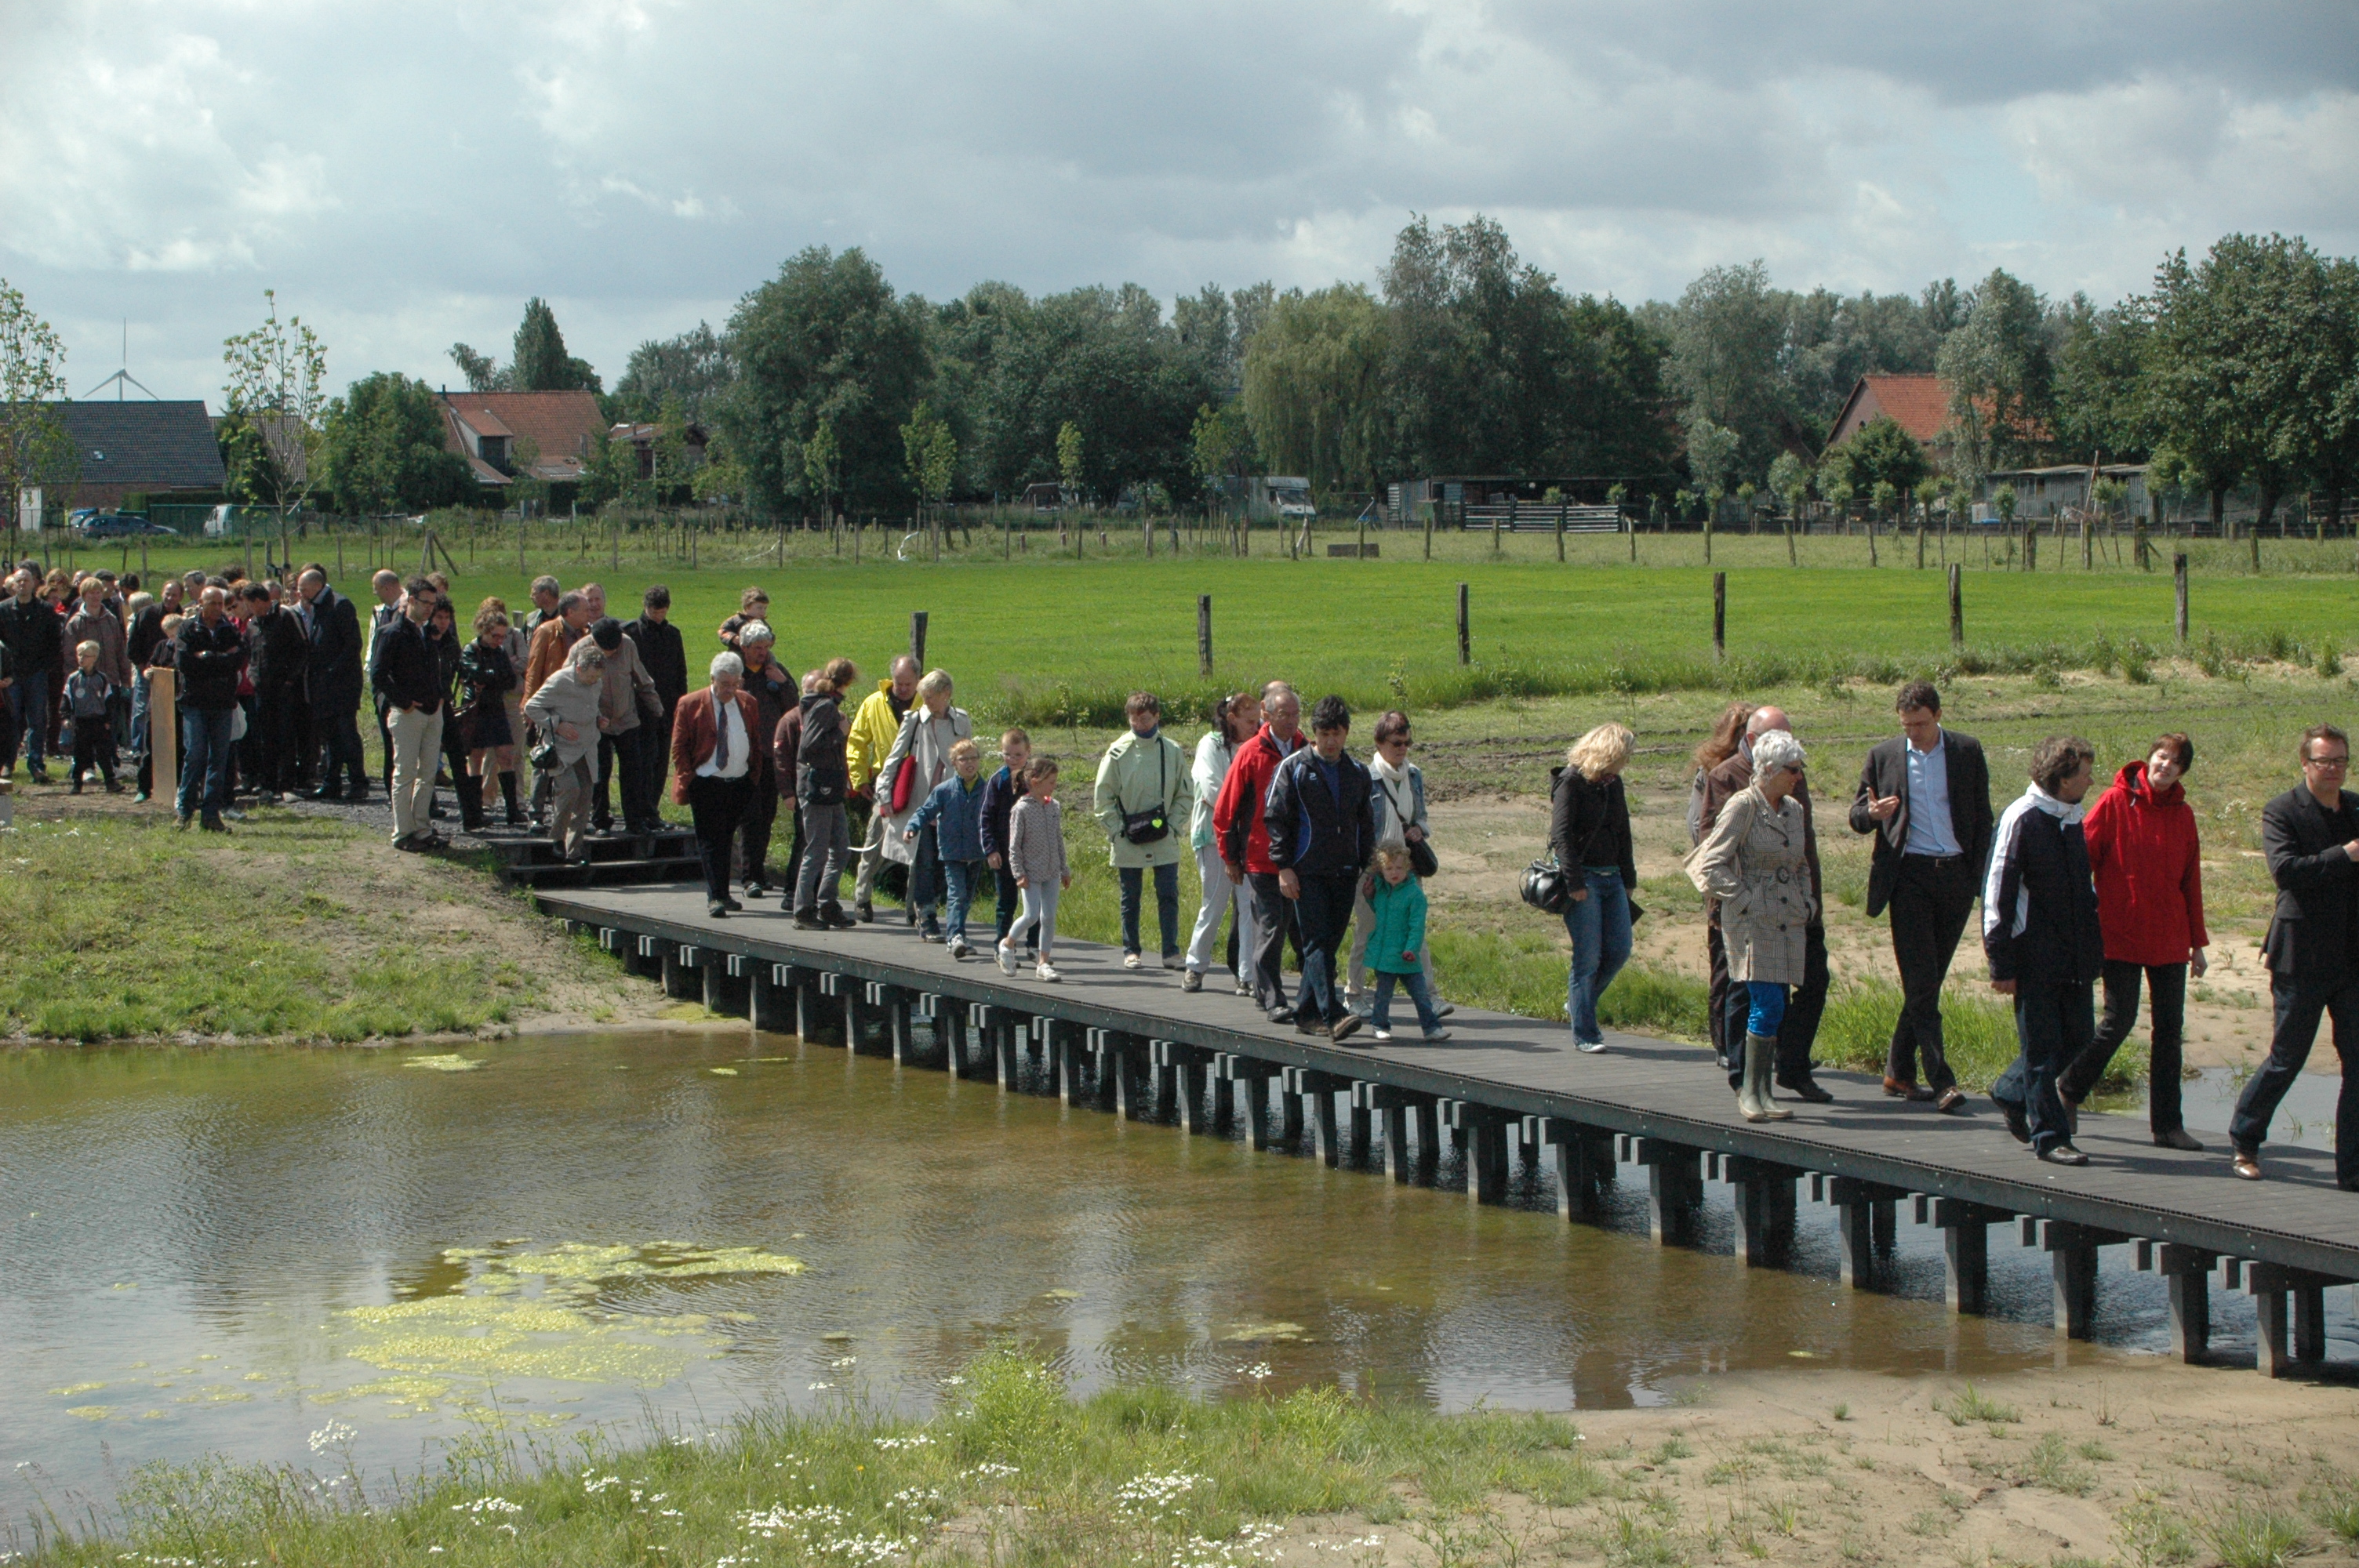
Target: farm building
{"points": [[155, 448], [559, 430]]}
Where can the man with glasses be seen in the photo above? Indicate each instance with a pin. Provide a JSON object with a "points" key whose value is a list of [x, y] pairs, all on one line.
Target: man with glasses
{"points": [[2312, 837]]}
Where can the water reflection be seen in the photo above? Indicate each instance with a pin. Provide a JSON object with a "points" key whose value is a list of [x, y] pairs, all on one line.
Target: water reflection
{"points": [[221, 1251]]}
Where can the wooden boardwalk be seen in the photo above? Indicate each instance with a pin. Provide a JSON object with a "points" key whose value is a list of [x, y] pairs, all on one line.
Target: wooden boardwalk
{"points": [[1508, 1088]]}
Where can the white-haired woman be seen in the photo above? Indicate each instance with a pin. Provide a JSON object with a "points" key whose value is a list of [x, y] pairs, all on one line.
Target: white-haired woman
{"points": [[1754, 861], [715, 735], [776, 694], [928, 730], [1589, 833], [565, 709]]}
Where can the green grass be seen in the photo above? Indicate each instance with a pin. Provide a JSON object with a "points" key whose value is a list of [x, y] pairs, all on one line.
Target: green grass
{"points": [[2255, 1537], [1970, 1405], [1024, 1473], [118, 927], [1050, 641]]}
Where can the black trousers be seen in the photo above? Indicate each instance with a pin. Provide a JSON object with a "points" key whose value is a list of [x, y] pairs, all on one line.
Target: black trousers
{"points": [[753, 836], [717, 807], [2166, 985], [1273, 923], [2055, 1023], [276, 740], [602, 797], [336, 726], [1805, 1005], [2299, 1004], [1931, 900]]}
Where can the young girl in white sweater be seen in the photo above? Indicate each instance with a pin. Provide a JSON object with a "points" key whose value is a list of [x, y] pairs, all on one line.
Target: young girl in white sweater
{"points": [[1036, 853]]}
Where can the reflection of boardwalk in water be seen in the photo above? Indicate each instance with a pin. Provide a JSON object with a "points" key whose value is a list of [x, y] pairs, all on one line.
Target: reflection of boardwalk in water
{"points": [[1510, 1093]]}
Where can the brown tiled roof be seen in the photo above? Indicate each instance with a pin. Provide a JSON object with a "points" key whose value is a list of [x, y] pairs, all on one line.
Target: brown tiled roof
{"points": [[1917, 404], [562, 424]]}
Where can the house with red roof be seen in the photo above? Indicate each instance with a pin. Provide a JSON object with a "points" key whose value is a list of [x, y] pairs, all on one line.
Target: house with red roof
{"points": [[495, 431], [1917, 404]]}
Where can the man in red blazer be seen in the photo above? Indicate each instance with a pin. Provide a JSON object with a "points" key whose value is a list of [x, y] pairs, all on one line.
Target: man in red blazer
{"points": [[714, 767]]}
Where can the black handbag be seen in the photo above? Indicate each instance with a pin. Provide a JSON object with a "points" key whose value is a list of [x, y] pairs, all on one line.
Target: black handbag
{"points": [[1546, 887], [1421, 861], [1152, 826]]}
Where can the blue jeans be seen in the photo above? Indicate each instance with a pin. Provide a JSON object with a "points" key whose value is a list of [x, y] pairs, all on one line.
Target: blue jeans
{"points": [[32, 694], [961, 875], [1321, 912], [1767, 1006], [204, 762], [1600, 928], [139, 714], [1381, 1016], [1167, 906]]}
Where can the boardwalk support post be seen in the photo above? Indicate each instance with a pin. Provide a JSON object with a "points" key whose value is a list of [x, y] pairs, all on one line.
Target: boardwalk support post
{"points": [[1248, 1082], [679, 978], [1674, 1189], [1965, 1249], [2187, 1273], [727, 989], [1486, 1128], [772, 1000], [2072, 1248], [1863, 1224], [1584, 1164], [1764, 1208]]}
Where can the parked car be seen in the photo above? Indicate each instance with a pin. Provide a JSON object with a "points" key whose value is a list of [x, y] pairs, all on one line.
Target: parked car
{"points": [[95, 525]]}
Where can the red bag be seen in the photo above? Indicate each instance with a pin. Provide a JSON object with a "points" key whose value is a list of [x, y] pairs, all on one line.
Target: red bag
{"points": [[904, 784]]}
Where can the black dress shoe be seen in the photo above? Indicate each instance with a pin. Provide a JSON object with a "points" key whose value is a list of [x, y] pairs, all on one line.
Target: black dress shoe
{"points": [[2179, 1138], [1806, 1087], [2063, 1154], [733, 905], [717, 910], [2017, 1125]]}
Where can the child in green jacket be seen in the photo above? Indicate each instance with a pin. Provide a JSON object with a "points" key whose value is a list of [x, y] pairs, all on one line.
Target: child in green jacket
{"points": [[1395, 934]]}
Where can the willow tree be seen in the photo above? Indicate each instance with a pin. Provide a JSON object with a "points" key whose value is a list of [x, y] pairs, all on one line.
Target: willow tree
{"points": [[1314, 386]]}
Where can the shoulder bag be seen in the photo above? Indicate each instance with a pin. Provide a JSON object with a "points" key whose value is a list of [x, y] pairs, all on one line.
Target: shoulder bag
{"points": [[1151, 826], [1422, 861], [1546, 887]]}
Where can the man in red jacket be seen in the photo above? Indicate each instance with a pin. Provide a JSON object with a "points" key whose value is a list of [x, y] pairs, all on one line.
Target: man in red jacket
{"points": [[1241, 829]]}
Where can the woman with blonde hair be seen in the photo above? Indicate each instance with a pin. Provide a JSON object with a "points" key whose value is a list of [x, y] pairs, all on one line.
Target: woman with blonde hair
{"points": [[1589, 834], [1755, 862]]}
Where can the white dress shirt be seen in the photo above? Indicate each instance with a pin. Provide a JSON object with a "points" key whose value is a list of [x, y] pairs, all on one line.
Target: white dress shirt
{"points": [[1930, 830], [732, 732]]}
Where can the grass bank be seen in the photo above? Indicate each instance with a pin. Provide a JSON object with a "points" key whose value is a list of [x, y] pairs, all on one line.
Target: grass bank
{"points": [[1013, 1472], [118, 926]]}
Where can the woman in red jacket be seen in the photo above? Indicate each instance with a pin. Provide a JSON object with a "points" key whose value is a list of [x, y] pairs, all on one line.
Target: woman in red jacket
{"points": [[2149, 872]]}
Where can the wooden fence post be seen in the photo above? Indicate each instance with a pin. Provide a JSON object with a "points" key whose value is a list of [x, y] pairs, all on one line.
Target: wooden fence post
{"points": [[163, 734], [1720, 615], [1957, 606], [1465, 645], [2178, 587], [917, 638], [1205, 634]]}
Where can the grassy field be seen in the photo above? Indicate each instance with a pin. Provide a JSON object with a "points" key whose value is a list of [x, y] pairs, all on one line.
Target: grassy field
{"points": [[1046, 639]]}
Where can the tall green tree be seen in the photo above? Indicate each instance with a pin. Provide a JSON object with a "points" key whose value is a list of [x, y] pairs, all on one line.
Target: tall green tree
{"points": [[1881, 453], [1727, 339], [276, 384], [693, 367], [1314, 392], [540, 363], [827, 340], [2099, 379], [2001, 379], [385, 450], [35, 450]]}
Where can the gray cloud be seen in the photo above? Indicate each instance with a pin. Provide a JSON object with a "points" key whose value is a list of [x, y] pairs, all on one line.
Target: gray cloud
{"points": [[405, 176]]}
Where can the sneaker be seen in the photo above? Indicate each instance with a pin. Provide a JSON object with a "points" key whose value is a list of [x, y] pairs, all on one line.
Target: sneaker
{"points": [[1132, 961], [810, 921], [960, 949], [1435, 1036], [1343, 1028], [233, 813], [1047, 971], [141, 798], [1592, 1047], [1443, 1008], [1380, 1036], [1243, 989], [1006, 960], [1191, 982], [835, 919], [1316, 1026], [734, 907], [1171, 961], [929, 935], [1360, 1004]]}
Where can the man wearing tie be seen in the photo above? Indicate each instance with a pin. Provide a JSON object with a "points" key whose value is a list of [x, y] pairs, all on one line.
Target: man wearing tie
{"points": [[1925, 795]]}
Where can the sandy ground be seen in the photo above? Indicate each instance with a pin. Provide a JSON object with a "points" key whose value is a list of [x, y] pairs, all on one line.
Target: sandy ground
{"points": [[2129, 1464]]}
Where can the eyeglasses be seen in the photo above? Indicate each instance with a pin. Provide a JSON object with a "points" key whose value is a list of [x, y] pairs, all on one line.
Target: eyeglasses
{"points": [[2330, 764]]}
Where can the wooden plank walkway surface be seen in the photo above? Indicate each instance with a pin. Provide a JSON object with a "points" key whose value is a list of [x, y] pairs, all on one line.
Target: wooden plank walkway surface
{"points": [[1643, 1101]]}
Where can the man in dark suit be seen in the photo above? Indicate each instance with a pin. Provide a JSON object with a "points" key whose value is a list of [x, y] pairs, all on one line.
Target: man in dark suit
{"points": [[1799, 1029], [1926, 796], [2312, 837], [335, 677]]}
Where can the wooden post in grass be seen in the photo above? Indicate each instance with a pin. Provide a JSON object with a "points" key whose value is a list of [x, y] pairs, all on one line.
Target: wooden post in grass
{"points": [[1466, 644], [521, 571], [2178, 588], [917, 638], [1205, 634], [1720, 615], [163, 731], [1429, 530], [1957, 605], [1559, 533]]}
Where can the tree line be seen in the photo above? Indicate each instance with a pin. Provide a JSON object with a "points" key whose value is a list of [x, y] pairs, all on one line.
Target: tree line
{"points": [[827, 389]]}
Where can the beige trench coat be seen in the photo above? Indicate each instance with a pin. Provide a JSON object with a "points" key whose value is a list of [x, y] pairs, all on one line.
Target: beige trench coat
{"points": [[1753, 862]]}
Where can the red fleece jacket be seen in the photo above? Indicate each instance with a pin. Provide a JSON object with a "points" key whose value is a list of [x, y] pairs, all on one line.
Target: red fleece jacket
{"points": [[1237, 816], [2150, 871]]}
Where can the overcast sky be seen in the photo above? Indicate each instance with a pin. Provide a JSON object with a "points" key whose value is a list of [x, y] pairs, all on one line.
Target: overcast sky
{"points": [[406, 175]]}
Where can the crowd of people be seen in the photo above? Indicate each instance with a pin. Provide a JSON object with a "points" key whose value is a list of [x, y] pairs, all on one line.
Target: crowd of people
{"points": [[1298, 843]]}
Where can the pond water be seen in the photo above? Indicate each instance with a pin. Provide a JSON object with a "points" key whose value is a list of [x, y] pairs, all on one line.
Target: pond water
{"points": [[231, 1250]]}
